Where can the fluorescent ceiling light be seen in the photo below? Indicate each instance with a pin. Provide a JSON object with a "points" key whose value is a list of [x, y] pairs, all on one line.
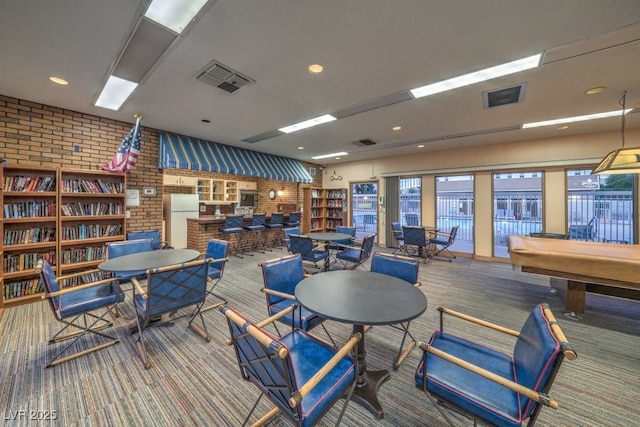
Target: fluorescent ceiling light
{"points": [[115, 92], [174, 14], [575, 119], [478, 76], [308, 123], [324, 156]]}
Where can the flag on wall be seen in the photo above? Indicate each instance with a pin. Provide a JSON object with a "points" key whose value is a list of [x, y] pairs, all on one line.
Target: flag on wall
{"points": [[127, 155]]}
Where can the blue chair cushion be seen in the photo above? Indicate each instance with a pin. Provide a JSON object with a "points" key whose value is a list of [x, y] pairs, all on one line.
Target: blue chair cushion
{"points": [[307, 355], [351, 255], [231, 230], [469, 391], [302, 318], [254, 227], [88, 299], [315, 256], [214, 273]]}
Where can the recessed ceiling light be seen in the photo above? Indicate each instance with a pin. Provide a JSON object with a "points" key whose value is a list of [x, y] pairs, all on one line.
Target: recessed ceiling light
{"points": [[300, 148], [396, 128], [315, 68], [575, 119], [563, 127], [175, 15], [324, 156], [308, 123], [337, 158], [595, 90], [115, 93], [421, 146], [59, 80]]}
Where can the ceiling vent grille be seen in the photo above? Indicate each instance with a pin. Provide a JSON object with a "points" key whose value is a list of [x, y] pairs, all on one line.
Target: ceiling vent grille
{"points": [[364, 142], [223, 77], [504, 96]]}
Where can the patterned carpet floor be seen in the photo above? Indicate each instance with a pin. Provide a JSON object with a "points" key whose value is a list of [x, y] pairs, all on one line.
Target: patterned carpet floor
{"points": [[194, 382]]}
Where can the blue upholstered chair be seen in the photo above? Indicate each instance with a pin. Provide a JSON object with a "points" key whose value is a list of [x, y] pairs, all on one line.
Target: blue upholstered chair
{"points": [[342, 244], [415, 242], [353, 257], [234, 226], [257, 226], [83, 308], [281, 276], [301, 375], [310, 252], [396, 228], [216, 252], [166, 291], [128, 247], [288, 232], [441, 243], [293, 220], [404, 268], [154, 235], [276, 224], [492, 386]]}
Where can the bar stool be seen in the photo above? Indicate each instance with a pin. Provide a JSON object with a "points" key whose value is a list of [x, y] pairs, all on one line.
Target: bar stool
{"points": [[294, 220], [234, 225], [275, 225], [257, 224]]}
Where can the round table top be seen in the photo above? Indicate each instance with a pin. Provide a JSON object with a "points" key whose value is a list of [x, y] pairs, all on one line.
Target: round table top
{"points": [[361, 297], [146, 260], [329, 236]]}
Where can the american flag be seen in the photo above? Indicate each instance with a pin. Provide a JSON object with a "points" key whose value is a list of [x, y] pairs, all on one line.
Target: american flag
{"points": [[127, 155]]}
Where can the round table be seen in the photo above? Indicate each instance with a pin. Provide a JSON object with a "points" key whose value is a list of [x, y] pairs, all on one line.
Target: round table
{"points": [[147, 260], [362, 298], [328, 237]]}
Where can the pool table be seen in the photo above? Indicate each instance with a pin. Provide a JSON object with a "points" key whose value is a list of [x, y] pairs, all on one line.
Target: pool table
{"points": [[604, 268]]}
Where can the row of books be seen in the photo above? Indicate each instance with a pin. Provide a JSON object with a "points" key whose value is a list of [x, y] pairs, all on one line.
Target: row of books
{"points": [[316, 193], [90, 253], [44, 208], [90, 209], [27, 183], [334, 203], [22, 288], [335, 194], [91, 231], [26, 261], [319, 203], [91, 186], [316, 213], [332, 223], [30, 235], [79, 280]]}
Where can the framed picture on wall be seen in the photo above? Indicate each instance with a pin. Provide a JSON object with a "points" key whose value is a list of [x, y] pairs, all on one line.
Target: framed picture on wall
{"points": [[312, 171]]}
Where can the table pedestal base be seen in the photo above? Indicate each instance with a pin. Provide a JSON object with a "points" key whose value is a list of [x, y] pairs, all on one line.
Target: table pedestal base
{"points": [[366, 395]]}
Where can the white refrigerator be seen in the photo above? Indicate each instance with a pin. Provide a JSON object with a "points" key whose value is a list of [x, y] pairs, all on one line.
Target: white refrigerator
{"points": [[177, 208]]}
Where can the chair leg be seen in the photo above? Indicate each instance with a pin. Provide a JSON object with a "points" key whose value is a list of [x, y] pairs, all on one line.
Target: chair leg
{"points": [[402, 355]]}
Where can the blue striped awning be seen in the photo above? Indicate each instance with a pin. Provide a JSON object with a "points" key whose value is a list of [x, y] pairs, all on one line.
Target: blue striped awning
{"points": [[183, 152]]}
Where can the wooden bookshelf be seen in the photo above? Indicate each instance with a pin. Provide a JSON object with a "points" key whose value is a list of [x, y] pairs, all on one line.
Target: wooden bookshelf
{"points": [[324, 209], [64, 216]]}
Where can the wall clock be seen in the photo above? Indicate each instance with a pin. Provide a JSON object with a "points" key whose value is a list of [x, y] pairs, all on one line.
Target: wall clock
{"points": [[272, 194]]}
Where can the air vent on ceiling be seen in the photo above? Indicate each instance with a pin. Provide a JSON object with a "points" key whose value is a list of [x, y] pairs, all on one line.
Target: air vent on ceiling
{"points": [[223, 77], [504, 96], [364, 142]]}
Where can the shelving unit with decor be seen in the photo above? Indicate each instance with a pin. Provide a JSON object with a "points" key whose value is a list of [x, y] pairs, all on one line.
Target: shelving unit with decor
{"points": [[92, 213], [217, 190], [315, 210], [204, 190], [29, 230], [336, 208], [231, 191]]}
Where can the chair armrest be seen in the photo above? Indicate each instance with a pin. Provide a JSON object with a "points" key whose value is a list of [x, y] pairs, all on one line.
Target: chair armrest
{"points": [[321, 246], [348, 247], [478, 321], [139, 288], [212, 260], [541, 398], [72, 289], [278, 293], [298, 395], [417, 284]]}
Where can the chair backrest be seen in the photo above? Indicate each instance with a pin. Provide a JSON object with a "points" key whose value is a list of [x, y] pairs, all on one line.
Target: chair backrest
{"points": [[154, 235], [217, 249], [367, 246], [537, 356], [301, 244], [259, 219], [170, 288], [128, 247], [414, 236], [294, 217], [452, 235], [395, 226], [282, 275], [277, 218], [288, 232], [412, 219], [346, 230], [48, 277], [233, 221], [402, 267]]}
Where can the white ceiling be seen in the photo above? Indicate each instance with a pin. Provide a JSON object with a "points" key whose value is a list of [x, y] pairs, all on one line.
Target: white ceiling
{"points": [[369, 49]]}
